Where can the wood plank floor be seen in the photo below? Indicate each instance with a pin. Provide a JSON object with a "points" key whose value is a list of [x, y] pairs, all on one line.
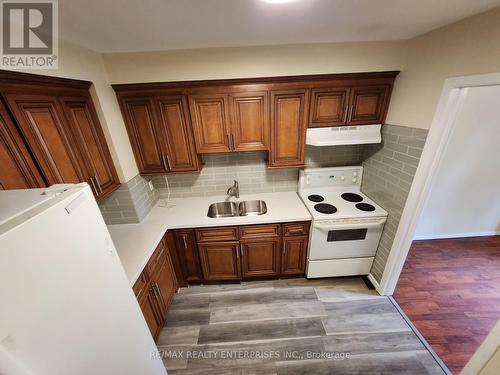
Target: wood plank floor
{"points": [[450, 289], [295, 326]]}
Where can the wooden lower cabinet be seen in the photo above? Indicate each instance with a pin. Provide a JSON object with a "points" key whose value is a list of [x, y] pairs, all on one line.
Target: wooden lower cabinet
{"points": [[294, 252], [253, 251], [174, 257], [156, 287], [220, 260], [164, 285], [187, 252], [260, 258], [151, 315]]}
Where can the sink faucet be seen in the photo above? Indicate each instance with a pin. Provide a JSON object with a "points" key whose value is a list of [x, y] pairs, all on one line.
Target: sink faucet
{"points": [[234, 191]]}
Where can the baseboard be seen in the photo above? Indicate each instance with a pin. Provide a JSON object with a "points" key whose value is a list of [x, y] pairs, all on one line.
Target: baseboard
{"points": [[456, 235], [374, 282]]}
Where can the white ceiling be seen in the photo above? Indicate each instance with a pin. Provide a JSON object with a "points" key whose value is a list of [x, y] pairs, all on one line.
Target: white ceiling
{"points": [[146, 25]]}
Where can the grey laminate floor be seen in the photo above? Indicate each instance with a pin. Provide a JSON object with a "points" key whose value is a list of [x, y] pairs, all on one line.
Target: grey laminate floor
{"points": [[294, 326]]}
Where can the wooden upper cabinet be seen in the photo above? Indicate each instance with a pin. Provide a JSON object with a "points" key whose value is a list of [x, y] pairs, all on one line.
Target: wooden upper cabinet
{"points": [[42, 123], [220, 260], [329, 107], [250, 129], [211, 124], [91, 144], [259, 113], [18, 170], [369, 104], [288, 127], [140, 119], [176, 130]]}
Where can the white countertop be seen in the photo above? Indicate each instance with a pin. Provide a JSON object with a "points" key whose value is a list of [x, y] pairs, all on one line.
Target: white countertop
{"points": [[135, 243]]}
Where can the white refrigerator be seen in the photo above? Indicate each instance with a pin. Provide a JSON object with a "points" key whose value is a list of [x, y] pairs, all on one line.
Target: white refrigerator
{"points": [[66, 306]]}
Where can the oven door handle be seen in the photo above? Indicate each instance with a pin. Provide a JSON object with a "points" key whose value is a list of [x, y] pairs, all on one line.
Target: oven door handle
{"points": [[329, 227]]}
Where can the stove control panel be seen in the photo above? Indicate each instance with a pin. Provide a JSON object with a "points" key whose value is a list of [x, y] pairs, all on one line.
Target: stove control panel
{"points": [[330, 177]]}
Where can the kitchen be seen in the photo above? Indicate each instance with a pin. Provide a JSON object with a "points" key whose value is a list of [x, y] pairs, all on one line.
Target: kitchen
{"points": [[239, 209]]}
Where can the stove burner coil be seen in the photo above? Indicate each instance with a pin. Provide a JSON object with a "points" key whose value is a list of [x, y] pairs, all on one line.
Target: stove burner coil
{"points": [[325, 208], [315, 198], [352, 197], [365, 207]]}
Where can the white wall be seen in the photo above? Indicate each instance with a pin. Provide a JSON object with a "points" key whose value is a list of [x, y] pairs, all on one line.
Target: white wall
{"points": [[465, 198], [470, 46], [247, 62], [80, 63]]}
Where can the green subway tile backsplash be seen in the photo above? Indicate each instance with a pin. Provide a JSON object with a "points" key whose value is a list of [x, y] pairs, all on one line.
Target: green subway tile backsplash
{"points": [[388, 173]]}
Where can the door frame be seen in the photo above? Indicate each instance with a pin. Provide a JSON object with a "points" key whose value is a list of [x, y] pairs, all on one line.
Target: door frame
{"points": [[449, 106], [487, 353]]}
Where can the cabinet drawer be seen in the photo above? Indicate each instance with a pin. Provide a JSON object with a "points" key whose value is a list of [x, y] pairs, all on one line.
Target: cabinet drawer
{"points": [[296, 229], [217, 234], [156, 259], [259, 231], [140, 286]]}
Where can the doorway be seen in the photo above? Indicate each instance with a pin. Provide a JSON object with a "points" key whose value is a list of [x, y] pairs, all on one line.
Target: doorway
{"points": [[450, 283]]}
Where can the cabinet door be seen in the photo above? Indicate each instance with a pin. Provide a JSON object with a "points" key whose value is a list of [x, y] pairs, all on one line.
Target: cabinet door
{"points": [[165, 285], [187, 252], [368, 105], [18, 169], [293, 259], [42, 123], [175, 127], [174, 257], [288, 128], [149, 307], [91, 144], [260, 257], [220, 260], [140, 120], [250, 129], [209, 114], [329, 107]]}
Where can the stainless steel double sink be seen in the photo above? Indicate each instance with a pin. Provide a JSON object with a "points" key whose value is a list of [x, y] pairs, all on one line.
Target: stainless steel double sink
{"points": [[232, 209]]}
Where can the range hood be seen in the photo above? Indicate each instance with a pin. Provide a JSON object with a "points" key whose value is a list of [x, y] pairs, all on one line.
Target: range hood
{"points": [[344, 135]]}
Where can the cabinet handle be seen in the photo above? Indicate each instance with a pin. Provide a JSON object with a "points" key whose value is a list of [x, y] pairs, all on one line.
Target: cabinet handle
{"points": [[98, 183], [159, 291], [346, 111], [154, 291], [92, 184], [228, 140], [184, 240], [168, 163], [165, 165], [351, 108], [159, 255], [238, 250], [295, 231], [139, 294], [283, 251], [232, 142]]}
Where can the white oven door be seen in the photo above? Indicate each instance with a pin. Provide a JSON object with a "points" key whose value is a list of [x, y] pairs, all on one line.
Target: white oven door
{"points": [[350, 238]]}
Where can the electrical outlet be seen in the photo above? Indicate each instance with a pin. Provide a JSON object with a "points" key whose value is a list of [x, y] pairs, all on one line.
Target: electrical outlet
{"points": [[151, 186]]}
